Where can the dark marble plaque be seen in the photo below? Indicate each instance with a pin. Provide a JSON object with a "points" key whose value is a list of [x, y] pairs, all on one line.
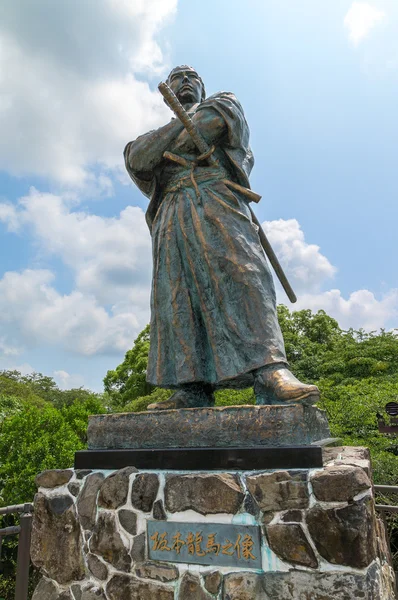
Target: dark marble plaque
{"points": [[203, 459], [217, 544]]}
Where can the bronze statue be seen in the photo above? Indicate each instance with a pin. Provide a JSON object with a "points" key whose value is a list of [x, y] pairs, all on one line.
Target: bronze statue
{"points": [[213, 306]]}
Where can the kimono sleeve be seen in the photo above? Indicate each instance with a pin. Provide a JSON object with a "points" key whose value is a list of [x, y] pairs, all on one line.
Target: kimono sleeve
{"points": [[236, 146]]}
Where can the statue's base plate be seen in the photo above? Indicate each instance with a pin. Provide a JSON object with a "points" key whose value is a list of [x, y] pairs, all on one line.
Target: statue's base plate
{"points": [[203, 459], [216, 427]]}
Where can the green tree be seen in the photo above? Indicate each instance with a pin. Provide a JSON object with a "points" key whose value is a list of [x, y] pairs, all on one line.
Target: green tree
{"points": [[308, 339], [35, 435], [128, 381], [30, 442], [34, 439], [38, 388], [11, 386], [10, 405], [76, 414]]}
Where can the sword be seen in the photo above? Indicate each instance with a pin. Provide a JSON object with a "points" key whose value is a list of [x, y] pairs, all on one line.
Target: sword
{"points": [[175, 105]]}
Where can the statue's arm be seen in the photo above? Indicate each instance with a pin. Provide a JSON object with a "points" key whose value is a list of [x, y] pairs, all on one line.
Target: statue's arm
{"points": [[146, 152], [211, 125]]}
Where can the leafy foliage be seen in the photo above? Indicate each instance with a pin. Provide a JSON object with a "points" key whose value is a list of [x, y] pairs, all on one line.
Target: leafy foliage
{"points": [[37, 388], [235, 397], [128, 381], [41, 427], [140, 404], [76, 415], [12, 385], [9, 405], [37, 439]]}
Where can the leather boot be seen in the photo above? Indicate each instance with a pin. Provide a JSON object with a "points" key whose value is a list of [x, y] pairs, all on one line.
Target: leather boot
{"points": [[190, 395], [275, 384]]}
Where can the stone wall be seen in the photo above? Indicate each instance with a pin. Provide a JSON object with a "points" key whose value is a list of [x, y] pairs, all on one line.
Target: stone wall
{"points": [[321, 539]]}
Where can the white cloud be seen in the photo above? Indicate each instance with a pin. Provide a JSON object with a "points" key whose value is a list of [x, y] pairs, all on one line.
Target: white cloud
{"points": [[69, 93], [7, 350], [24, 368], [308, 271], [30, 305], [306, 266], [360, 310], [65, 381], [8, 215], [110, 260], [110, 257], [361, 19]]}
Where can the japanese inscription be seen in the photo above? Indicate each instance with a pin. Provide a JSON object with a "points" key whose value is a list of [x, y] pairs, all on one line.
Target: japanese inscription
{"points": [[205, 543]]}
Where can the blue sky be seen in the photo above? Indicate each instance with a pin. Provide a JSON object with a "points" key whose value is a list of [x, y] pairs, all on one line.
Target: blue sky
{"points": [[318, 82]]}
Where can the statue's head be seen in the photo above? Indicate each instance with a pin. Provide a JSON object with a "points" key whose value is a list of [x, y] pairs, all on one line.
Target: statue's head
{"points": [[187, 85]]}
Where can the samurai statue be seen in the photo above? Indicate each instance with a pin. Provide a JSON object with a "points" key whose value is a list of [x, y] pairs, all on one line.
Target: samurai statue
{"points": [[213, 305]]}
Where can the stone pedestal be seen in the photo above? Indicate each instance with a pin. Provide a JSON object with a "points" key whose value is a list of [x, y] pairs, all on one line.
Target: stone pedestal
{"points": [[318, 536], [217, 438], [218, 427]]}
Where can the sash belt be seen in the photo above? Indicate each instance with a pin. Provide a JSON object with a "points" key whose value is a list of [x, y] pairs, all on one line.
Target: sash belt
{"points": [[192, 176], [211, 173]]}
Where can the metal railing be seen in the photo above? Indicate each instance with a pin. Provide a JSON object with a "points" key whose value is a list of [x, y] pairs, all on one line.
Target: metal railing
{"points": [[24, 530], [388, 489]]}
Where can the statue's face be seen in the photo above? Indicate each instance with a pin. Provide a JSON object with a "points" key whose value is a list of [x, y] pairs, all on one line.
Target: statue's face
{"points": [[186, 85]]}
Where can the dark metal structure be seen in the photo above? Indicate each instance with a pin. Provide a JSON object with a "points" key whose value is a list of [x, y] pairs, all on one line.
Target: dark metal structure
{"points": [[392, 427], [387, 489], [24, 530]]}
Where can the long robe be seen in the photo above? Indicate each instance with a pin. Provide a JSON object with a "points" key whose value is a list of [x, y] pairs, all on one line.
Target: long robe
{"points": [[213, 305]]}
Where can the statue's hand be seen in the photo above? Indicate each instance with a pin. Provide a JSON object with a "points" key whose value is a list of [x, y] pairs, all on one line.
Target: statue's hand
{"points": [[190, 112]]}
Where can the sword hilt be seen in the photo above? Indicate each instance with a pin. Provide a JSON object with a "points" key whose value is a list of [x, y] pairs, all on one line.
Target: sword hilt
{"points": [[180, 112]]}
